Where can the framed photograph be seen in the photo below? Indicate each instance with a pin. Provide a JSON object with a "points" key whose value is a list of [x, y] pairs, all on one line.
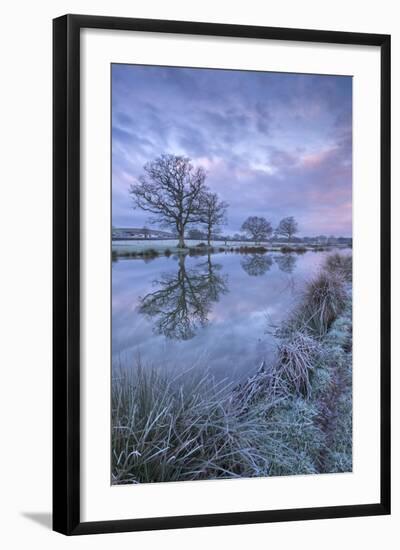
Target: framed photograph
{"points": [[221, 274]]}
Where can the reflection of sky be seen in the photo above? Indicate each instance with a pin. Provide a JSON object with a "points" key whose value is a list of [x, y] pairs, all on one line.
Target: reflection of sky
{"points": [[236, 339], [273, 144]]}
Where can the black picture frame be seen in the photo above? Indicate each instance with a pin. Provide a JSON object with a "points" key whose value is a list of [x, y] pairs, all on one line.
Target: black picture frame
{"points": [[66, 272]]}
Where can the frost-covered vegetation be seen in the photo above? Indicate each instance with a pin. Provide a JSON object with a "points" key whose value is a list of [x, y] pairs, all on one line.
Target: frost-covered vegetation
{"points": [[293, 416], [142, 247]]}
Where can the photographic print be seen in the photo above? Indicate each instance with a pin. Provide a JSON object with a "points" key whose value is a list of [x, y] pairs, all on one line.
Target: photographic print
{"points": [[231, 274]]}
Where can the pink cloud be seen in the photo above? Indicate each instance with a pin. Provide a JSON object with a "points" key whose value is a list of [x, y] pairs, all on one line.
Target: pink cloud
{"points": [[313, 160]]}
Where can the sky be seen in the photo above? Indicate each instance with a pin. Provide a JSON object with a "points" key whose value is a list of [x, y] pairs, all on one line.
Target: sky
{"points": [[272, 144]]}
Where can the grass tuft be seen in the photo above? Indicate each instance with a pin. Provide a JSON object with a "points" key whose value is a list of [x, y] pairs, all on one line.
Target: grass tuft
{"points": [[297, 249], [340, 264], [252, 250], [297, 355], [169, 430], [324, 299]]}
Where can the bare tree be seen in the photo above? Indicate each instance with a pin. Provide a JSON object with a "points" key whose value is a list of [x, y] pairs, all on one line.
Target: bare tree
{"points": [[321, 239], [331, 240], [170, 189], [212, 213], [287, 228], [196, 234], [259, 229]]}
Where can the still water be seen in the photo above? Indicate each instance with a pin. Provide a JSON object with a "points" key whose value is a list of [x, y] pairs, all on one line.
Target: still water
{"points": [[216, 312]]}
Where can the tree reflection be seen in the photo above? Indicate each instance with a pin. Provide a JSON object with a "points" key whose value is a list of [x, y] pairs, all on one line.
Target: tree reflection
{"points": [[286, 262], [183, 300], [256, 264]]}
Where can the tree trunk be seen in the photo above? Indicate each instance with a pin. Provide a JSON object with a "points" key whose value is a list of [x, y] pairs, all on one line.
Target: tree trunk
{"points": [[181, 243], [209, 236]]}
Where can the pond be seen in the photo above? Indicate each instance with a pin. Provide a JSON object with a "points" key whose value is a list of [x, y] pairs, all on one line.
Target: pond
{"points": [[216, 312]]}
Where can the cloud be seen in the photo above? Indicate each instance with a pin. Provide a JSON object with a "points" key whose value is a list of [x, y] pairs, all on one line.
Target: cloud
{"points": [[272, 144]]}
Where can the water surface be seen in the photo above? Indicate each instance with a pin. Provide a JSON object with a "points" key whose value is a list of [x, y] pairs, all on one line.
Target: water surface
{"points": [[214, 311]]}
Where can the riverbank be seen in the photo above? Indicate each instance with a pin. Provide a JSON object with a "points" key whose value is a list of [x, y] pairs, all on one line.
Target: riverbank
{"points": [[292, 417], [166, 248]]}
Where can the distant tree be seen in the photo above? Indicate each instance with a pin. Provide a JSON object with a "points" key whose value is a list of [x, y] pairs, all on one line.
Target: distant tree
{"points": [[146, 232], [332, 239], [196, 234], [170, 188], [287, 228], [212, 213], [258, 229]]}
